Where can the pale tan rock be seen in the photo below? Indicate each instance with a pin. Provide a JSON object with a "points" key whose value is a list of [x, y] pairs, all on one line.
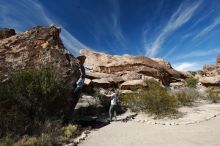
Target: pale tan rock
{"points": [[87, 81], [149, 78], [129, 85], [215, 80], [98, 75], [136, 65], [131, 76], [126, 91]]}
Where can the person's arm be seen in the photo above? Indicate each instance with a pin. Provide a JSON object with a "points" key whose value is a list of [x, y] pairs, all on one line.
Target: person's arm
{"points": [[106, 95]]}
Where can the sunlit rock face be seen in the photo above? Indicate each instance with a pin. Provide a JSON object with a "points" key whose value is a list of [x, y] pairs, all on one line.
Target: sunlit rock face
{"points": [[118, 69], [34, 48], [210, 75]]}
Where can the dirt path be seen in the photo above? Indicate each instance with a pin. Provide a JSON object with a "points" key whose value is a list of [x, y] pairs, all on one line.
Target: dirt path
{"points": [[133, 133]]}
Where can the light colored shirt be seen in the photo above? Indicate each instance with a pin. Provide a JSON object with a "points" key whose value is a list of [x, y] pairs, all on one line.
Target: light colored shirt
{"points": [[80, 82], [114, 99]]}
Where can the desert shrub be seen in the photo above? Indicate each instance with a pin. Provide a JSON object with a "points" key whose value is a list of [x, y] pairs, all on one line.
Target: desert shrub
{"points": [[52, 133], [176, 75], [187, 96], [26, 141], [154, 99], [7, 141], [29, 98], [191, 82], [68, 132], [213, 94]]}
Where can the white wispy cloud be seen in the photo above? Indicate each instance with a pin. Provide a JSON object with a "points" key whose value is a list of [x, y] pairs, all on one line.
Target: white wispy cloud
{"points": [[209, 28], [183, 14], [115, 26], [187, 66], [28, 13], [203, 53]]}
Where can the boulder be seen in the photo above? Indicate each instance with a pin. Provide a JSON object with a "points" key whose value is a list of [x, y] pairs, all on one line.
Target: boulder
{"points": [[210, 74], [127, 67], [6, 33], [104, 83], [133, 84], [149, 78], [87, 81], [34, 48], [131, 76], [210, 81]]}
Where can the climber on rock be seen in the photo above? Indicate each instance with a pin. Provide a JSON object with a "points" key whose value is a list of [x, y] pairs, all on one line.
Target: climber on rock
{"points": [[77, 90]]}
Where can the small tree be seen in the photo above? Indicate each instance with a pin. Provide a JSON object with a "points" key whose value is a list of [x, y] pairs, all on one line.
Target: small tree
{"points": [[191, 82]]}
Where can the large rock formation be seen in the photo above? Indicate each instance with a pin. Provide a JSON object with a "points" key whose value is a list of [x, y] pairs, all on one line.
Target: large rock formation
{"points": [[121, 70], [39, 46], [210, 75]]}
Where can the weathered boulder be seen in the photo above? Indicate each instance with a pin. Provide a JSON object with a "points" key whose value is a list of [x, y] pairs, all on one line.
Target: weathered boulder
{"points": [[210, 81], [34, 48], [127, 68], [133, 84], [210, 74], [87, 81], [6, 33], [103, 82]]}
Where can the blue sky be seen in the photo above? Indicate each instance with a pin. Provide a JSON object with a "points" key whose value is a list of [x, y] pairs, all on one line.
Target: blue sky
{"points": [[184, 32]]}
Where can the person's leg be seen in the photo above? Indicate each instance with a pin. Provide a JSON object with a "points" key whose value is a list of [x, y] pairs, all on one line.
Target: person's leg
{"points": [[115, 112], [110, 112]]}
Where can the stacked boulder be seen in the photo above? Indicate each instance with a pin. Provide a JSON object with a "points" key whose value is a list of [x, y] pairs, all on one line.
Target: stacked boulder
{"points": [[125, 71], [210, 75]]}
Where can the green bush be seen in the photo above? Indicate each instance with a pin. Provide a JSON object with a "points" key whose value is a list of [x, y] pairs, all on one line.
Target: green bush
{"points": [[191, 82], [187, 96], [51, 133], [154, 99], [213, 94], [176, 75], [29, 98]]}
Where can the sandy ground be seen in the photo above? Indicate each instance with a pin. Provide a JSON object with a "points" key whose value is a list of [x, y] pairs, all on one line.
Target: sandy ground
{"points": [[133, 133], [138, 131]]}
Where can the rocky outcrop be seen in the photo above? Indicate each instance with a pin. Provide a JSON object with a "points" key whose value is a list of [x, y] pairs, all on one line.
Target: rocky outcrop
{"points": [[34, 48], [210, 81], [210, 74], [118, 70], [6, 33]]}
